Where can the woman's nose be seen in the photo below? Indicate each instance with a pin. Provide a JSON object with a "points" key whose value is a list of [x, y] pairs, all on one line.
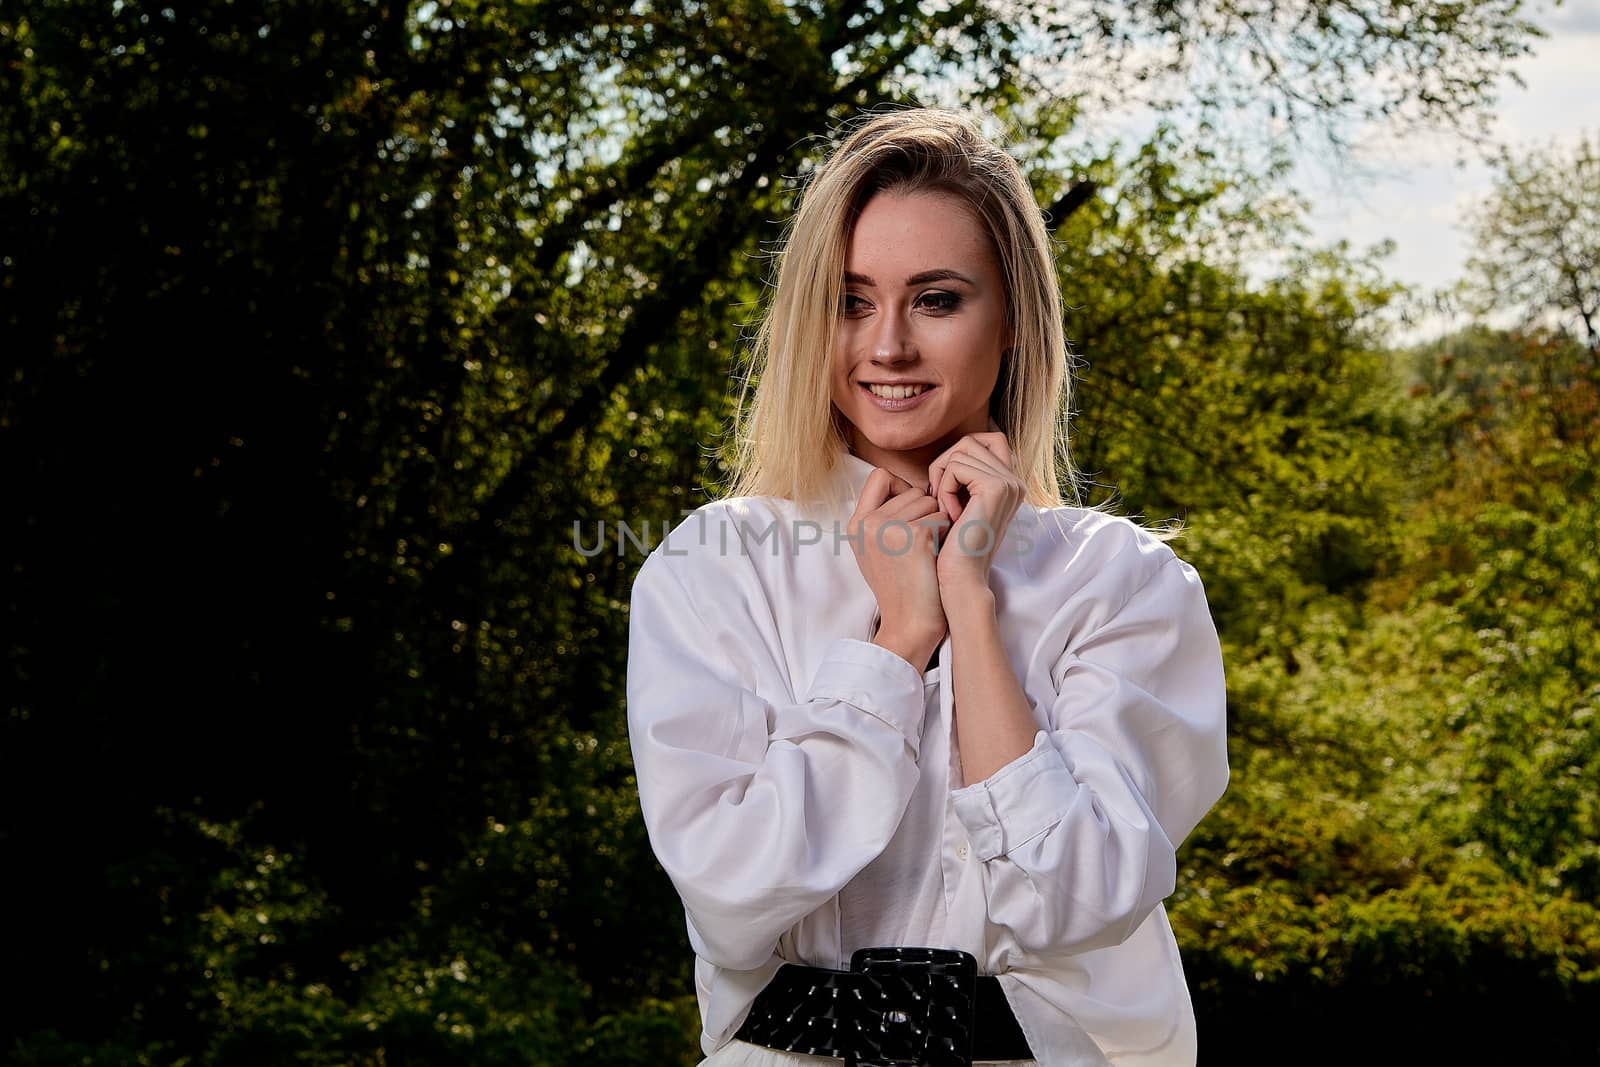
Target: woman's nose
{"points": [[891, 341]]}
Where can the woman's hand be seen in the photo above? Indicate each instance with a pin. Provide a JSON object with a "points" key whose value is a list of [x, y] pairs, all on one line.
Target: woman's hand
{"points": [[892, 532], [977, 468]]}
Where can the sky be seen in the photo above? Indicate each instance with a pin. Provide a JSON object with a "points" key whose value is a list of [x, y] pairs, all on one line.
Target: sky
{"points": [[1415, 193]]}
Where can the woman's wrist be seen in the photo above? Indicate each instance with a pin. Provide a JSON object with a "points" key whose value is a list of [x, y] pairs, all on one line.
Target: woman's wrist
{"points": [[967, 606], [915, 648]]}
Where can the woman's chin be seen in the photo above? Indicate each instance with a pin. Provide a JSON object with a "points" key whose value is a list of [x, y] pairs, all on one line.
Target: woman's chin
{"points": [[892, 438]]}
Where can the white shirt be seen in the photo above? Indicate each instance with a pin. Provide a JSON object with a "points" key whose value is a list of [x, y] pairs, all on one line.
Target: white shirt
{"points": [[801, 786]]}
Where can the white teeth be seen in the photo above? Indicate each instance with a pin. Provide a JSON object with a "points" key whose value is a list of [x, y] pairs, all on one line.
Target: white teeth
{"points": [[896, 392]]}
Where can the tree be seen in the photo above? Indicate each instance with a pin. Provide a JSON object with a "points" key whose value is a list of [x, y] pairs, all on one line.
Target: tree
{"points": [[1537, 239]]}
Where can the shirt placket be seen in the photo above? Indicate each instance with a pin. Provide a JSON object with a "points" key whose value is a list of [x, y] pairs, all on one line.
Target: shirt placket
{"points": [[954, 853]]}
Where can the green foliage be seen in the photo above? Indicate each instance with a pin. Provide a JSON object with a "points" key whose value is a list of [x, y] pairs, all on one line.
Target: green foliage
{"points": [[1399, 549], [447, 985], [1265, 417], [1412, 820]]}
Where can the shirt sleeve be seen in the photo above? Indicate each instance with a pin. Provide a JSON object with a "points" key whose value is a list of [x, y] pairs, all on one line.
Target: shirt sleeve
{"points": [[1079, 834], [760, 809]]}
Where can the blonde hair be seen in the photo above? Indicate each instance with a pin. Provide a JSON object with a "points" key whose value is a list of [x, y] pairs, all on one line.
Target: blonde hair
{"points": [[790, 440]]}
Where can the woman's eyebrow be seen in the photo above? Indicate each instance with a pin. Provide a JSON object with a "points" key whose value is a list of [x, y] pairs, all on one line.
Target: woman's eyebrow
{"points": [[939, 275]]}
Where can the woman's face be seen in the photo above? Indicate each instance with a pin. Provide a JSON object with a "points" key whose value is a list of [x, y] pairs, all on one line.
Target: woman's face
{"points": [[921, 329]]}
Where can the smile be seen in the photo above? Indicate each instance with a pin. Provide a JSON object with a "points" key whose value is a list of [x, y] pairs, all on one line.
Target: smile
{"points": [[896, 397], [897, 392]]}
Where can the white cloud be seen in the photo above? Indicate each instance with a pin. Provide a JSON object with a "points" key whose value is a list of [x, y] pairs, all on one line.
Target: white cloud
{"points": [[1576, 16]]}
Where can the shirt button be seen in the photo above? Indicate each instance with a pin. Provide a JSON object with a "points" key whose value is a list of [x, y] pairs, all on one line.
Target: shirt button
{"points": [[961, 851]]}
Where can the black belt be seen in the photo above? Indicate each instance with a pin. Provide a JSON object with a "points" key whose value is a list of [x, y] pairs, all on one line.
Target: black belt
{"points": [[894, 1007]]}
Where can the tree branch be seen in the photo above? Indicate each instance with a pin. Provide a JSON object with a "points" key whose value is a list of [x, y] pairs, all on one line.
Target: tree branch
{"points": [[1068, 203]]}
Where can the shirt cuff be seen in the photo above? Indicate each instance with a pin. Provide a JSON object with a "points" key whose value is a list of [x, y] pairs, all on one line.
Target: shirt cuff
{"points": [[1018, 802], [879, 682]]}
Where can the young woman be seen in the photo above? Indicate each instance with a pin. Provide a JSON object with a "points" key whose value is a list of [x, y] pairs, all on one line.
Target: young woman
{"points": [[898, 714]]}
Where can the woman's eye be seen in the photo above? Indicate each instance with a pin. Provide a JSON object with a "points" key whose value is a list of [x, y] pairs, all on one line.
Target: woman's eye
{"points": [[940, 301], [851, 303]]}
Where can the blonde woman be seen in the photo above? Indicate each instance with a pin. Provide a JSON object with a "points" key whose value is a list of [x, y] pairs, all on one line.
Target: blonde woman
{"points": [[915, 740]]}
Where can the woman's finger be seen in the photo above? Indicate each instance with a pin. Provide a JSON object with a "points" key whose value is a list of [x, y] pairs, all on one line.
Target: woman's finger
{"points": [[997, 445], [961, 472], [991, 444], [982, 464], [991, 448], [880, 485], [910, 502]]}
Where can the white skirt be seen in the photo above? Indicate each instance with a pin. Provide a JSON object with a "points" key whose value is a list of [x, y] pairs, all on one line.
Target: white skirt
{"points": [[738, 1053]]}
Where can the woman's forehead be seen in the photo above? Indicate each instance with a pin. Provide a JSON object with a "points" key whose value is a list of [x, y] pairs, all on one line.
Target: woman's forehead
{"points": [[903, 233]]}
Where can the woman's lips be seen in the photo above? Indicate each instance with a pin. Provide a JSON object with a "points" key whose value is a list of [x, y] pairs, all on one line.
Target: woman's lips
{"points": [[901, 404]]}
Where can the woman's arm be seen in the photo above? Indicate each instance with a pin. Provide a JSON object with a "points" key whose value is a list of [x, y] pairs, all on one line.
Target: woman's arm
{"points": [[1078, 831], [760, 810], [998, 726]]}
